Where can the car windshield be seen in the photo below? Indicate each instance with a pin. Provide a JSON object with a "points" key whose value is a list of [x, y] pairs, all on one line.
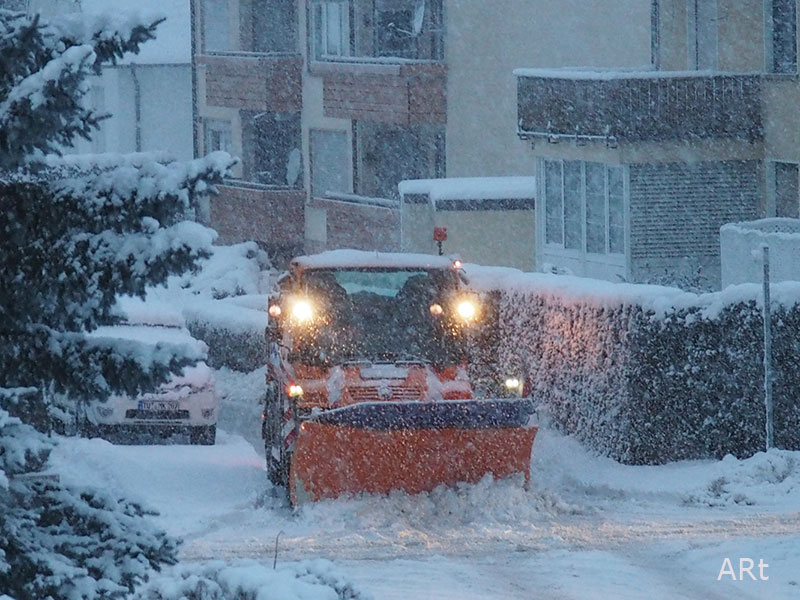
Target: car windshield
{"points": [[379, 314]]}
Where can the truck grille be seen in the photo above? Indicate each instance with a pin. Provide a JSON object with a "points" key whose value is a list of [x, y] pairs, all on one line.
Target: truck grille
{"points": [[400, 393]]}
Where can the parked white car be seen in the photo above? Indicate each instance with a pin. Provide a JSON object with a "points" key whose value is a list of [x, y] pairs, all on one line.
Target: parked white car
{"points": [[187, 404]]}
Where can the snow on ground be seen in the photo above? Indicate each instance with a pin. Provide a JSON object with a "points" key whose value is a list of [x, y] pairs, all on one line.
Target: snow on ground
{"points": [[587, 527], [241, 402]]}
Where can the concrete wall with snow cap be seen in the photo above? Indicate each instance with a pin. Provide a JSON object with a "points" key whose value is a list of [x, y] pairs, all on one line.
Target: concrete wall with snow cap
{"points": [[742, 255]]}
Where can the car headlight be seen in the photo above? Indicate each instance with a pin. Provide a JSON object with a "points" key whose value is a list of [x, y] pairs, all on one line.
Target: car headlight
{"points": [[514, 385], [302, 311]]}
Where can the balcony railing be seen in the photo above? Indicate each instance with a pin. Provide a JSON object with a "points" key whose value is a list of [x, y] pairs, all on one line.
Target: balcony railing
{"points": [[638, 107], [253, 81], [403, 94], [245, 211]]}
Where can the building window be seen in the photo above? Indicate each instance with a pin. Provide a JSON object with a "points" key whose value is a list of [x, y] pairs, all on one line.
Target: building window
{"points": [[218, 135], [215, 26], [703, 34], [787, 190], [388, 154], [406, 29], [616, 211], [655, 34], [272, 24], [573, 182], [330, 162], [271, 148], [331, 28], [783, 26], [584, 206]]}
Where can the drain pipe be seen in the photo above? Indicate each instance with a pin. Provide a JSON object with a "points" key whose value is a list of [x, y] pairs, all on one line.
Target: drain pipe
{"points": [[137, 102]]}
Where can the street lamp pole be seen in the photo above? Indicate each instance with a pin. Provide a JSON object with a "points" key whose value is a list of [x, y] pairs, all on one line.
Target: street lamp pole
{"points": [[768, 402]]}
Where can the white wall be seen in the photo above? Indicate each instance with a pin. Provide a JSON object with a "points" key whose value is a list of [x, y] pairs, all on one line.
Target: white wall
{"points": [[165, 110], [487, 40]]}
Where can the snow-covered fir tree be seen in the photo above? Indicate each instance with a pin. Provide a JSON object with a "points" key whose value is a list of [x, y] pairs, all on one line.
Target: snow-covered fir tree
{"points": [[75, 233]]}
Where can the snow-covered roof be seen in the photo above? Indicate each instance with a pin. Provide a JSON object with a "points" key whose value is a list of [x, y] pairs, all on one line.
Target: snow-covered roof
{"points": [[361, 259], [173, 37], [780, 227], [471, 188], [607, 74]]}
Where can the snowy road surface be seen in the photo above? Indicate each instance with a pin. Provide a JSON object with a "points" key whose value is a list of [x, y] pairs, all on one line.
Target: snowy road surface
{"points": [[587, 528]]}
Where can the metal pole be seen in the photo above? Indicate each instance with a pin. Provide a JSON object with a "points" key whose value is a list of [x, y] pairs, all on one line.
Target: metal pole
{"points": [[275, 561], [768, 353]]}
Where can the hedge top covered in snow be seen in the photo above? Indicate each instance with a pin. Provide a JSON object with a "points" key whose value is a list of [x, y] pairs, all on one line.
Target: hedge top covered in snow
{"points": [[471, 188], [595, 73], [659, 300]]}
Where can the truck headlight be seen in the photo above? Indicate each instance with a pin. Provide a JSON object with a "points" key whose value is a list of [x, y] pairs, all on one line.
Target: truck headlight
{"points": [[302, 311], [466, 309]]}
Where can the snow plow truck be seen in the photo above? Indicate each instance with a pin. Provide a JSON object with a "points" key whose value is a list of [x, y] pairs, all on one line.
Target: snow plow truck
{"points": [[367, 381]]}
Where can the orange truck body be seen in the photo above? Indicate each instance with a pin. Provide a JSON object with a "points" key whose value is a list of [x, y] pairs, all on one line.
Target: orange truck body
{"points": [[331, 460], [376, 424]]}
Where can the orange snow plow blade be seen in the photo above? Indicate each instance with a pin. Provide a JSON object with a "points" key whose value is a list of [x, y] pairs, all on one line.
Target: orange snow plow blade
{"points": [[410, 446]]}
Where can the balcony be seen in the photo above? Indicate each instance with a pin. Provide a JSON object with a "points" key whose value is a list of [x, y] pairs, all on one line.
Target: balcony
{"points": [[619, 107], [380, 61], [401, 94], [253, 81]]}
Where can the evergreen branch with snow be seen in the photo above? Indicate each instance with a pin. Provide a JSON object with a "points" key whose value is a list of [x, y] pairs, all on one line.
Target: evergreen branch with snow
{"points": [[76, 233]]}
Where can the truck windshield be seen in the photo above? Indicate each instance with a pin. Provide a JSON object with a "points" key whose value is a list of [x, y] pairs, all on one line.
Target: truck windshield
{"points": [[371, 314]]}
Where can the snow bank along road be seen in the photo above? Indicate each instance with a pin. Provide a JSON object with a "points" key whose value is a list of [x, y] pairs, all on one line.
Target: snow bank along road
{"points": [[587, 528]]}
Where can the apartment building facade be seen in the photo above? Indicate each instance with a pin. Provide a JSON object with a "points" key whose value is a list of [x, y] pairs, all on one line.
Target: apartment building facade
{"points": [[639, 169], [647, 123], [329, 105], [376, 92]]}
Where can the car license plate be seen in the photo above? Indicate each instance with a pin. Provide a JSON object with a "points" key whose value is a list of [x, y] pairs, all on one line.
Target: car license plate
{"points": [[158, 405]]}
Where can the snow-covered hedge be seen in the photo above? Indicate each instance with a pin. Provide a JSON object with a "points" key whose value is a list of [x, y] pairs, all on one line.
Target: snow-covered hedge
{"points": [[223, 303], [648, 374], [232, 330], [307, 580]]}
